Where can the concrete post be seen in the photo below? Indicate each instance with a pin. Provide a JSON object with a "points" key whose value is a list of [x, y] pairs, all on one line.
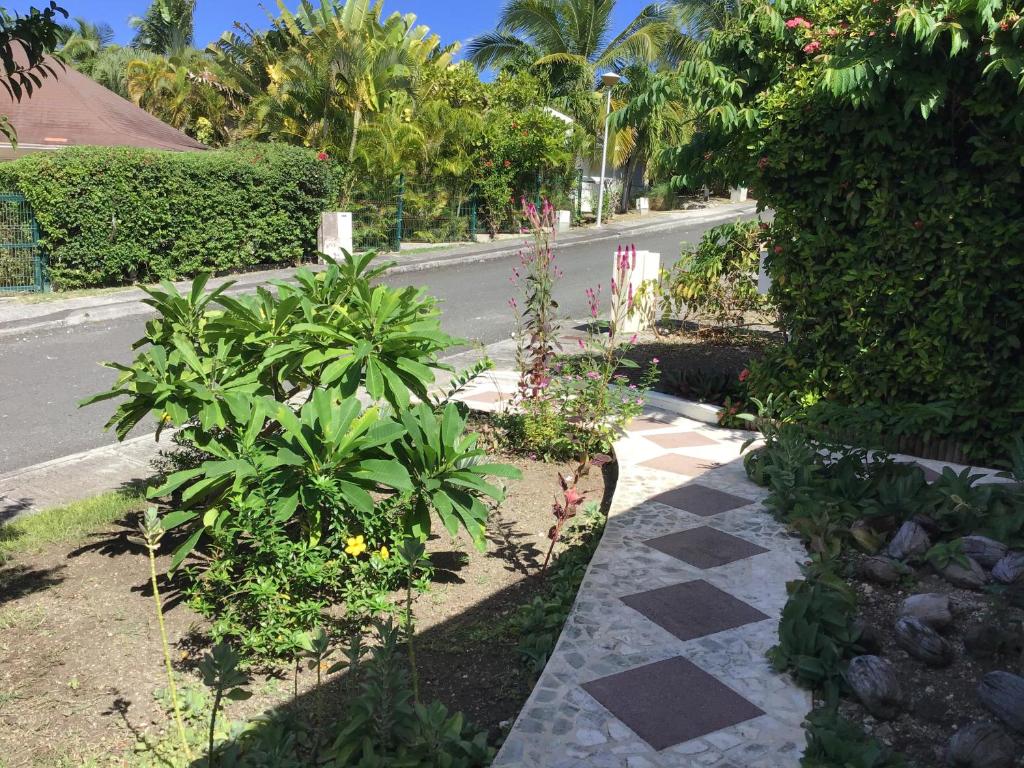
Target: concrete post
{"points": [[648, 267], [334, 234], [764, 280], [643, 205], [564, 221], [738, 194]]}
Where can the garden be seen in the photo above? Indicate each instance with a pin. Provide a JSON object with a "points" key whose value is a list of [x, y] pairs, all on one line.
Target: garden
{"points": [[337, 561], [345, 559]]}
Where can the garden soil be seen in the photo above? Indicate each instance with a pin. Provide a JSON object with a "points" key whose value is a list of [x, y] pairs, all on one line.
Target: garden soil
{"points": [[81, 660]]}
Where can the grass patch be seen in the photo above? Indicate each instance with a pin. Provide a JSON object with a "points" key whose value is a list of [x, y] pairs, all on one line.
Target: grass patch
{"points": [[51, 296], [60, 525]]}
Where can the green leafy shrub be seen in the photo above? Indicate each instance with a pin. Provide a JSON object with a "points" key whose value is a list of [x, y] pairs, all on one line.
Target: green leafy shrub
{"points": [[304, 493], [717, 280], [386, 727], [887, 139], [117, 215]]}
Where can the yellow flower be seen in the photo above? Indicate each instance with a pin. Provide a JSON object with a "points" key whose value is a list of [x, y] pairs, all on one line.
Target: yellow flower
{"points": [[384, 554], [356, 545]]}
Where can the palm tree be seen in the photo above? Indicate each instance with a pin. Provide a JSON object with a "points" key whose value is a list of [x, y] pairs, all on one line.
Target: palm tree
{"points": [[168, 27], [316, 76], [83, 43], [650, 116], [570, 42], [701, 17]]}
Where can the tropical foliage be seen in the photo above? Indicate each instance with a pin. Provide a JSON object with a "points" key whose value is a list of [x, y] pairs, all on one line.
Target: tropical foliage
{"points": [[886, 136], [302, 495], [380, 95]]}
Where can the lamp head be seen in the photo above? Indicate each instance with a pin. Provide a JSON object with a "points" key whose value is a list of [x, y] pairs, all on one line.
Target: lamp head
{"points": [[610, 78]]}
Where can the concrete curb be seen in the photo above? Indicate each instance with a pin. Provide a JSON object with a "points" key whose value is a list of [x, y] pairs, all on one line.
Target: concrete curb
{"points": [[113, 307]]}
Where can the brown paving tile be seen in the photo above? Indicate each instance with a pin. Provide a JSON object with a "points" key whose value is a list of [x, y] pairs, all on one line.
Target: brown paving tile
{"points": [[693, 609], [670, 702], [705, 547], [681, 440], [700, 499], [646, 424], [680, 464]]}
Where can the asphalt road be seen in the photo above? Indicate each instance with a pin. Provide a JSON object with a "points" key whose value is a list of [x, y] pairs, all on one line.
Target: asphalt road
{"points": [[44, 375]]}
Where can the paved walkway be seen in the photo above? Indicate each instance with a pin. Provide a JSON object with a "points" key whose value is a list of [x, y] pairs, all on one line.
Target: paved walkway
{"points": [[662, 659]]}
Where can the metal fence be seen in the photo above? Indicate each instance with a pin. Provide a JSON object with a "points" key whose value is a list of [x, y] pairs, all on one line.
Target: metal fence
{"points": [[22, 261], [403, 211]]}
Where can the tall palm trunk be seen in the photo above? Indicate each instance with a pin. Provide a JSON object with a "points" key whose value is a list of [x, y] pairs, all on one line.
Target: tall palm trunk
{"points": [[357, 118]]}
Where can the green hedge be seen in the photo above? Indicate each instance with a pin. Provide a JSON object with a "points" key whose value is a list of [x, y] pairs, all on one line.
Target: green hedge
{"points": [[111, 216], [889, 141]]}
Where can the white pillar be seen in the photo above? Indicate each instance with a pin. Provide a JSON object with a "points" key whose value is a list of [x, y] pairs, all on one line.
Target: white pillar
{"points": [[334, 234], [738, 194], [647, 270], [643, 205], [564, 221], [764, 280]]}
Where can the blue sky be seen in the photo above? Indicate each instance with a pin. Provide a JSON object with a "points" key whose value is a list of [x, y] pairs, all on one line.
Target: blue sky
{"points": [[452, 19]]}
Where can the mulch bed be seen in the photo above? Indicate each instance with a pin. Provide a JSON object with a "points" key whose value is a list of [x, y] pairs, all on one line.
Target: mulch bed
{"points": [[80, 655], [712, 351]]}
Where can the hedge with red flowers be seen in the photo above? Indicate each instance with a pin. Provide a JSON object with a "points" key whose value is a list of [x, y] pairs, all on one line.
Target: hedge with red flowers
{"points": [[888, 139]]}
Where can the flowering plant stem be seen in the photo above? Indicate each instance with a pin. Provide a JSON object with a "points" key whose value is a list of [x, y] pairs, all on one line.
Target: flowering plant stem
{"points": [[152, 532], [537, 324]]}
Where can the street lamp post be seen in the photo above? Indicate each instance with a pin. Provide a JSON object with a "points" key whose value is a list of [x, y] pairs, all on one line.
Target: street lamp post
{"points": [[608, 79]]}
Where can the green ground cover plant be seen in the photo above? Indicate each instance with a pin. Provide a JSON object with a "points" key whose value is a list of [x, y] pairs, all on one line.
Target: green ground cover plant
{"points": [[840, 501]]}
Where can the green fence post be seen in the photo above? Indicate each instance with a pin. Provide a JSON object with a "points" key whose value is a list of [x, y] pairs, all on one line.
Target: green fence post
{"points": [[579, 194], [397, 244], [472, 213], [38, 256]]}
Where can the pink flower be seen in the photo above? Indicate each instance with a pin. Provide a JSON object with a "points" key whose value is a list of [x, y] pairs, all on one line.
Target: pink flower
{"points": [[798, 21], [582, 345], [655, 361], [321, 156], [572, 497], [632, 339], [744, 374], [593, 375], [812, 47]]}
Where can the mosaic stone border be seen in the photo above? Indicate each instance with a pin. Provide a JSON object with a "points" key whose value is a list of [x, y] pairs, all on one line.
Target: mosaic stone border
{"points": [[561, 724]]}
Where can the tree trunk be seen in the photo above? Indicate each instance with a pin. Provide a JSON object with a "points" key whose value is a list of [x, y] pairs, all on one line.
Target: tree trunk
{"points": [[627, 183], [357, 118]]}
